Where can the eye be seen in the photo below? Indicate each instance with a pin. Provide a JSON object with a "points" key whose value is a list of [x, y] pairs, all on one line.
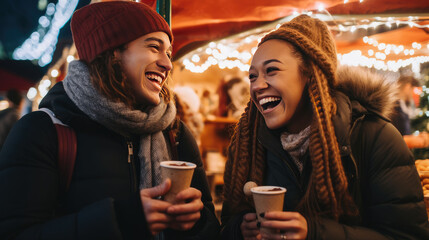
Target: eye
{"points": [[154, 46], [271, 69], [252, 77], [169, 55]]}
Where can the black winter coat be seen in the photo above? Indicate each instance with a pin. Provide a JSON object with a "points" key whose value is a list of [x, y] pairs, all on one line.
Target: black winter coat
{"points": [[382, 177], [103, 201], [8, 117]]}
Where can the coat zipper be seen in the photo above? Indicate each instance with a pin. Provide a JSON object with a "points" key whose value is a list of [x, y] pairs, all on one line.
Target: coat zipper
{"points": [[130, 151], [132, 167]]}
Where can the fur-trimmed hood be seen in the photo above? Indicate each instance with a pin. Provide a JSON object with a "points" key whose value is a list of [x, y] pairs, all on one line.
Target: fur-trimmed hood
{"points": [[373, 91]]}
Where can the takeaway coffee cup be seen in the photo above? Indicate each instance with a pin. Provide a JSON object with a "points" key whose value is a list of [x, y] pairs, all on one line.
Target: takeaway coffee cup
{"points": [[180, 174], [267, 198]]}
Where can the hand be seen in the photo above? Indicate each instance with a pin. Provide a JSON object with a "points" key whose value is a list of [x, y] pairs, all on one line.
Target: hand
{"points": [[186, 213], [292, 225], [249, 227], [156, 210]]}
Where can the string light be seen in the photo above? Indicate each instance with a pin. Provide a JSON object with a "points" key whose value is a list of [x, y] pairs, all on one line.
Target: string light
{"points": [[355, 58], [41, 43], [70, 58], [227, 56], [54, 73], [223, 54], [388, 22], [388, 48]]}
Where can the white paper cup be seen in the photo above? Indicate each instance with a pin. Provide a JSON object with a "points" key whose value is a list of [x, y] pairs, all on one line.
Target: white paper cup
{"points": [[267, 199], [180, 174]]}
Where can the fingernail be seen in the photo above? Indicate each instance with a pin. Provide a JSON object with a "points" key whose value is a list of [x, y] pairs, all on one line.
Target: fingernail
{"points": [[262, 214], [258, 224]]}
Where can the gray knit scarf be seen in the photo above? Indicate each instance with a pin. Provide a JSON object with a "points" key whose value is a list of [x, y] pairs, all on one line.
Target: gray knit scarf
{"points": [[119, 118], [296, 145]]}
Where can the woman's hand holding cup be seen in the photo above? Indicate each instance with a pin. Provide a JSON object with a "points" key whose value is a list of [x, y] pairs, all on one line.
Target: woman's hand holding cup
{"points": [[186, 212]]}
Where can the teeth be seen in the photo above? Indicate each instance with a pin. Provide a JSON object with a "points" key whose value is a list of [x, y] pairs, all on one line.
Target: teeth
{"points": [[268, 99], [154, 77]]}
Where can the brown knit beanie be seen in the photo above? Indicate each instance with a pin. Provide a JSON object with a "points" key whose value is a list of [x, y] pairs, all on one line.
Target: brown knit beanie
{"points": [[105, 25], [313, 38]]}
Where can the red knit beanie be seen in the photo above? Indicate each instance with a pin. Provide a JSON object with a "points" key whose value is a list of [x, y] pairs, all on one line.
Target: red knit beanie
{"points": [[105, 25]]}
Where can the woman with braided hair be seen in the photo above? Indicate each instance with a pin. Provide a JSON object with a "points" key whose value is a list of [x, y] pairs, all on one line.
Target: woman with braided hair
{"points": [[324, 135]]}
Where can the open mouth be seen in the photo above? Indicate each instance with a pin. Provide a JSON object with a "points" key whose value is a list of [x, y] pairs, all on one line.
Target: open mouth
{"points": [[269, 102], [154, 77]]}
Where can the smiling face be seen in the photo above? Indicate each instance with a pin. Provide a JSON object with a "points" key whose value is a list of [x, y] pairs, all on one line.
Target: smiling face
{"points": [[277, 86], [146, 62]]}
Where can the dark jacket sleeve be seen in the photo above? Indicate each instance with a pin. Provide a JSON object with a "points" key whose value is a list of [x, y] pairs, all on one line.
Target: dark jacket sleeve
{"points": [[392, 196], [29, 190], [8, 118], [208, 225]]}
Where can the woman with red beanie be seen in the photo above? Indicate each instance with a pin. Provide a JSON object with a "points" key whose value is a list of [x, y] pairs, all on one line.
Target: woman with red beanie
{"points": [[323, 134], [117, 101]]}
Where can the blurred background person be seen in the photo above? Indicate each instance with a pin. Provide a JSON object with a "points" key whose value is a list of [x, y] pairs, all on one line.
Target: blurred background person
{"points": [[208, 104], [233, 97], [404, 109], [188, 106], [10, 115]]}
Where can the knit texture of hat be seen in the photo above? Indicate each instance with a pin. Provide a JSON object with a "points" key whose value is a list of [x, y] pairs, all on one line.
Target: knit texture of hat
{"points": [[105, 25], [313, 38]]}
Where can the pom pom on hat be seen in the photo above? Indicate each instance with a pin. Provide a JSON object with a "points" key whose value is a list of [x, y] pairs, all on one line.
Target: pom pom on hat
{"points": [[312, 37], [105, 25]]}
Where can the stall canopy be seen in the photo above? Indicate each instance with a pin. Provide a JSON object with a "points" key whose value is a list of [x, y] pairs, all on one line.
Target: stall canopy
{"points": [[195, 22]]}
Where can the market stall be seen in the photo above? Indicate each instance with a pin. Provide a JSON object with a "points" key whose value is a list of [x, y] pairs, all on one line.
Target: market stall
{"points": [[215, 40]]}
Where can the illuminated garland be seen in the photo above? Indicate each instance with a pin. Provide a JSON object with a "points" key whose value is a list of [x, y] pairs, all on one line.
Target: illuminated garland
{"points": [[41, 43], [389, 22], [227, 55], [355, 58]]}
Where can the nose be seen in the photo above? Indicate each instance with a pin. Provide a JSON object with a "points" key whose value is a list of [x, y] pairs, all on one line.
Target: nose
{"points": [[259, 84], [165, 62]]}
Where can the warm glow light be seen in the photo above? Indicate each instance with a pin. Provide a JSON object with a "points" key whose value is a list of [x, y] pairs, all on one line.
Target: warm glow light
{"points": [[355, 58], [195, 58], [230, 54], [3, 104], [54, 73], [70, 58], [379, 22], [31, 94]]}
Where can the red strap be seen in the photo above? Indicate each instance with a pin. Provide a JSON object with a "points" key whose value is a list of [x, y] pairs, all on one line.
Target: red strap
{"points": [[67, 148]]}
